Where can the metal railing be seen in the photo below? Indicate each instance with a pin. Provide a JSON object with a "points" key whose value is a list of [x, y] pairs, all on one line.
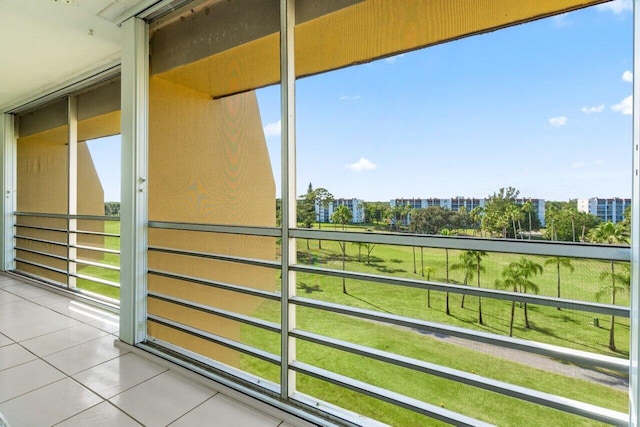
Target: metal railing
{"points": [[565, 354], [33, 233]]}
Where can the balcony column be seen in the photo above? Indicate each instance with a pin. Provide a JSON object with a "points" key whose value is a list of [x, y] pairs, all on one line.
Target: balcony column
{"points": [[288, 210], [634, 347], [133, 205], [8, 142]]}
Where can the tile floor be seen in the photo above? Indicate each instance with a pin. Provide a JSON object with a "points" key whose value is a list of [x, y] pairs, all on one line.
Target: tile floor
{"points": [[59, 366]]}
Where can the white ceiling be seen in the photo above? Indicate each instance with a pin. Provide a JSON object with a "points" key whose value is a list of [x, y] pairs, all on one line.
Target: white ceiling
{"points": [[46, 43]]}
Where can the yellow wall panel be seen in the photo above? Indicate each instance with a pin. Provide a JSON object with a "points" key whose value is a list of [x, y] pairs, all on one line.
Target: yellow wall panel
{"points": [[208, 163]]}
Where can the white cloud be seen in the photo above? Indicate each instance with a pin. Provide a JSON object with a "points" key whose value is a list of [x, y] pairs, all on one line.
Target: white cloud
{"points": [[617, 6], [625, 106], [578, 165], [598, 162], [591, 110], [273, 129], [350, 98], [362, 165], [627, 76], [558, 121]]}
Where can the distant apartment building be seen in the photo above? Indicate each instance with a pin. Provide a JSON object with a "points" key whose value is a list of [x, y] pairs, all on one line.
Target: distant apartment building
{"points": [[455, 203], [356, 206], [605, 209]]}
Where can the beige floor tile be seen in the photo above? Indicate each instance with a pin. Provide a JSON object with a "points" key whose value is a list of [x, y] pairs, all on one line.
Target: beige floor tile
{"points": [[13, 355], [4, 340], [49, 405], [6, 297], [80, 311], [117, 375], [162, 399], [86, 355], [25, 378], [63, 339], [26, 291], [101, 415], [226, 412]]}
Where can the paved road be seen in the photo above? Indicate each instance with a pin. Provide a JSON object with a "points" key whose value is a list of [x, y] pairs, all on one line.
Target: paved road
{"points": [[541, 362]]}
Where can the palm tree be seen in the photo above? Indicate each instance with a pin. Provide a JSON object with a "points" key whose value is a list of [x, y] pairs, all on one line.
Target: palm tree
{"points": [[342, 215], [560, 261], [468, 265], [516, 276], [527, 208], [620, 282], [476, 218], [446, 232], [612, 234], [428, 271], [477, 257], [529, 268]]}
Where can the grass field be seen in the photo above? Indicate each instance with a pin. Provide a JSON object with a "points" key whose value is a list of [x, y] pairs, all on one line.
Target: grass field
{"points": [[560, 327]]}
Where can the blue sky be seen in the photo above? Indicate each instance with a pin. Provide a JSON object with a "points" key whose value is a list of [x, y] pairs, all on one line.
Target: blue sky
{"points": [[543, 107]]}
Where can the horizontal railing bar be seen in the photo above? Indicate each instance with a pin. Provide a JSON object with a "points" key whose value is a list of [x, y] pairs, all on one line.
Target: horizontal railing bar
{"points": [[259, 323], [225, 342], [215, 228], [34, 239], [31, 251], [585, 306], [93, 248], [65, 216], [274, 296], [546, 399], [36, 227], [564, 353], [42, 215], [95, 233], [97, 264], [388, 396], [527, 247], [45, 267], [218, 257], [104, 218], [97, 280]]}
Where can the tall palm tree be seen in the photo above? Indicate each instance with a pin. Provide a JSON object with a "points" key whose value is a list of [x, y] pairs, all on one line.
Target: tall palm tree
{"points": [[527, 208], [559, 261], [620, 282], [446, 232], [428, 271], [516, 275], [467, 264], [612, 234], [476, 218], [477, 258]]}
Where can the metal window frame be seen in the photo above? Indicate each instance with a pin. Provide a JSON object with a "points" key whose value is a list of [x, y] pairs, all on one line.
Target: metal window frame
{"points": [[8, 187], [133, 213], [634, 345]]}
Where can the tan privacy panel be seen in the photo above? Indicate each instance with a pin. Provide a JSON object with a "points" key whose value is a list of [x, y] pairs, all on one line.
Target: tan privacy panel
{"points": [[208, 163], [368, 30], [42, 187]]}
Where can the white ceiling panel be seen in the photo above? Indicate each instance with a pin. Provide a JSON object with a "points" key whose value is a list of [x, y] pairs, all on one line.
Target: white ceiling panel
{"points": [[46, 43]]}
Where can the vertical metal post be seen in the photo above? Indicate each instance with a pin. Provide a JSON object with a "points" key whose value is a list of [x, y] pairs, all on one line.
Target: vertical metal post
{"points": [[8, 142], [288, 208], [72, 189], [634, 347], [133, 205]]}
